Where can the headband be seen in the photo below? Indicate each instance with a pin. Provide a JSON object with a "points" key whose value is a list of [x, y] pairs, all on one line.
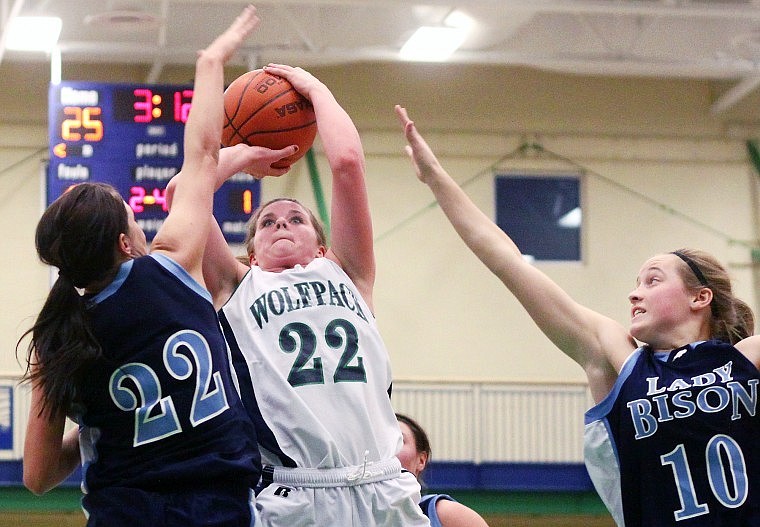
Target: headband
{"points": [[693, 266]]}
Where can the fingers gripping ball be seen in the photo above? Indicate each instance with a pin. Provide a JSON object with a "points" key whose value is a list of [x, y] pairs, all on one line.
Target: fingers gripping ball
{"points": [[265, 110]]}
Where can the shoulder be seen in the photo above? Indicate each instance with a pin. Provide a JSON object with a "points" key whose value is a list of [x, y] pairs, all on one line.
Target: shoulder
{"points": [[328, 267], [451, 513], [328, 261], [750, 348], [427, 499]]}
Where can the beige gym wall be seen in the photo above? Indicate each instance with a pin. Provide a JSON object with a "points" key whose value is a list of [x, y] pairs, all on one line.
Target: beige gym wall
{"points": [[659, 172]]}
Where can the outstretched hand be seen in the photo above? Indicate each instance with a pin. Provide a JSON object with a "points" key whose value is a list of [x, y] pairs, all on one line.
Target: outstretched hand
{"points": [[253, 160], [228, 42], [423, 159]]}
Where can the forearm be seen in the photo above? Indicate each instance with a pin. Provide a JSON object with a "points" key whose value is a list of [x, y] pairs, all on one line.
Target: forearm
{"points": [[50, 456], [339, 136], [70, 457], [482, 236], [221, 270], [64, 465], [204, 124], [350, 217], [203, 130]]}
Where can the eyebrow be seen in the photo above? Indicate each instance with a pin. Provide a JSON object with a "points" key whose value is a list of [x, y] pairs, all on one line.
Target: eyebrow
{"points": [[291, 211], [648, 270]]}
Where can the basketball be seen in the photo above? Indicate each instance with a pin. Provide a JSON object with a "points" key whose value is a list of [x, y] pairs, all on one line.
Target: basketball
{"points": [[265, 110]]}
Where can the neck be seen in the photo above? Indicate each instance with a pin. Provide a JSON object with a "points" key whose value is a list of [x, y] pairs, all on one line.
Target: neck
{"points": [[98, 285]]}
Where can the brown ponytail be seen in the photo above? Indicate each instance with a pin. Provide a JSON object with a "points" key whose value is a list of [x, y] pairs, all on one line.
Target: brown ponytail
{"points": [[78, 234], [732, 319]]}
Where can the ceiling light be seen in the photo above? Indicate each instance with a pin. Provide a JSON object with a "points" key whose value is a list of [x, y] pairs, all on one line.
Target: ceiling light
{"points": [[433, 44], [33, 33], [458, 19]]}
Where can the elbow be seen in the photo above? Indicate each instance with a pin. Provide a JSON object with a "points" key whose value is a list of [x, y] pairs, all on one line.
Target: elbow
{"points": [[38, 480], [35, 484], [349, 161]]}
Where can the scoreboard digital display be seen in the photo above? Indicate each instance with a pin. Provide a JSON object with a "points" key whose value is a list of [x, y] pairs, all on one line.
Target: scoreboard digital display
{"points": [[131, 136]]}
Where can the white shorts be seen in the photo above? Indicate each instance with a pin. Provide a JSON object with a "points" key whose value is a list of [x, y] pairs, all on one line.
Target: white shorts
{"points": [[378, 494]]}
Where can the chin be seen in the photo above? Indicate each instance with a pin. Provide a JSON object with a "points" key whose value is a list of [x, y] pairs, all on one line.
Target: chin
{"points": [[638, 334]]}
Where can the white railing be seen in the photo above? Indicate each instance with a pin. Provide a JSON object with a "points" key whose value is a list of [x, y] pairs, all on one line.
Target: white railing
{"points": [[498, 422], [466, 421], [14, 413]]}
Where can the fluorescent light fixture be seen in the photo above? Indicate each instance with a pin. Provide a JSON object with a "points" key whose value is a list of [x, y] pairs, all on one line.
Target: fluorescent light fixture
{"points": [[433, 44], [33, 33]]}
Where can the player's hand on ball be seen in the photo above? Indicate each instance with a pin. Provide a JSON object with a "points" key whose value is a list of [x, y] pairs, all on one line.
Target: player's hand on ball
{"points": [[303, 81], [254, 160], [266, 110]]}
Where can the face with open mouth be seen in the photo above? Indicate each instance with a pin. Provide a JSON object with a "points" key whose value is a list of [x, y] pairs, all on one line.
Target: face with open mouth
{"points": [[660, 303]]}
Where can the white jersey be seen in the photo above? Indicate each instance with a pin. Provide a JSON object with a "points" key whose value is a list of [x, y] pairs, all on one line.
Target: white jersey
{"points": [[312, 368]]}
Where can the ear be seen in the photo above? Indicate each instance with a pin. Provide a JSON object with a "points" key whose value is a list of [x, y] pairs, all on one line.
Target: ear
{"points": [[422, 460], [125, 245], [702, 298], [321, 251]]}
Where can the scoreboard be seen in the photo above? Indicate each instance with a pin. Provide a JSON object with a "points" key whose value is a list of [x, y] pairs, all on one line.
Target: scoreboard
{"points": [[131, 136]]}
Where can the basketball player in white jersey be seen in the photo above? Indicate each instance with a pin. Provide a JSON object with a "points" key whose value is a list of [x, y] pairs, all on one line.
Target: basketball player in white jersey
{"points": [[311, 366]]}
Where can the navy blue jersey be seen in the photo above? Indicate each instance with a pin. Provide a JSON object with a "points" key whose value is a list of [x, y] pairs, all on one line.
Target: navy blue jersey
{"points": [[677, 441], [159, 411]]}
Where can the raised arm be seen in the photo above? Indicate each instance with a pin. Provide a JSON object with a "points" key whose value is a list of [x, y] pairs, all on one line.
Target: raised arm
{"points": [[351, 244], [221, 270], [183, 234], [597, 343]]}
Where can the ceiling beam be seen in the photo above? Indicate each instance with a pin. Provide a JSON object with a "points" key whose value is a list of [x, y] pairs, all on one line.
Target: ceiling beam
{"points": [[735, 94], [594, 65], [728, 10], [158, 65]]}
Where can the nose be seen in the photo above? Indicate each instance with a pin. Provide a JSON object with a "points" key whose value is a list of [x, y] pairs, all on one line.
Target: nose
{"points": [[281, 223], [634, 296]]}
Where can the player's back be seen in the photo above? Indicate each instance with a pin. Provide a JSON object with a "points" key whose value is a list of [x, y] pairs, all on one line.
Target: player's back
{"points": [[160, 409]]}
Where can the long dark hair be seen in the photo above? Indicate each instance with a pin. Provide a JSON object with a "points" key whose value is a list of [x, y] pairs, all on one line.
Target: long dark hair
{"points": [[78, 234]]}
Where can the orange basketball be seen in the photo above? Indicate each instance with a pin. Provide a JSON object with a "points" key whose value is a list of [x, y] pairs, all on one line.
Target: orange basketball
{"points": [[265, 110]]}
